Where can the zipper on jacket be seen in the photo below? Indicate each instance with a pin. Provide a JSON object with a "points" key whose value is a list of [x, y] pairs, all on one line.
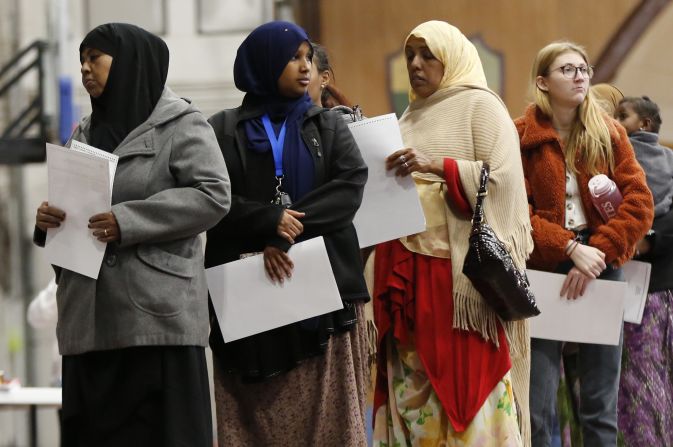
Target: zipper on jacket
{"points": [[317, 146]]}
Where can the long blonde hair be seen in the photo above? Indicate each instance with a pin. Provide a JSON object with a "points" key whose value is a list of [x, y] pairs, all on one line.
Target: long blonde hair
{"points": [[590, 135]]}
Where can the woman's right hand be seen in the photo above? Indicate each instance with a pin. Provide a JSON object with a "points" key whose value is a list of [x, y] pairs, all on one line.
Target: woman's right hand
{"points": [[289, 226], [588, 260], [48, 217]]}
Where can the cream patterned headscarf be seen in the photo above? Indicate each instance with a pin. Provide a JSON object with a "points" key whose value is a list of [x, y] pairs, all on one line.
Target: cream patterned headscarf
{"points": [[462, 65]]}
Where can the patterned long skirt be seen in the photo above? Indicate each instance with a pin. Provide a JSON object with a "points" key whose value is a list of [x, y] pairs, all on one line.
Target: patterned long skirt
{"points": [[413, 414], [646, 387], [321, 402]]}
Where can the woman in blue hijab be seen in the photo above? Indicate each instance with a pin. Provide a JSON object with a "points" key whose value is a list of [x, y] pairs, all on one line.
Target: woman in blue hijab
{"points": [[296, 173]]}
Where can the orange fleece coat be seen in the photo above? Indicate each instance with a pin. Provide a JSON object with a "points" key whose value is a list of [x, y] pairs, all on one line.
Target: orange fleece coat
{"points": [[544, 170]]}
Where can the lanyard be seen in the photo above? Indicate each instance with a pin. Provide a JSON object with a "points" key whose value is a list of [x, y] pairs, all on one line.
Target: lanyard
{"points": [[276, 143]]}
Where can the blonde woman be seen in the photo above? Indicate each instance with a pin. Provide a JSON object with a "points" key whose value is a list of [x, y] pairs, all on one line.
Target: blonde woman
{"points": [[449, 372], [566, 138]]}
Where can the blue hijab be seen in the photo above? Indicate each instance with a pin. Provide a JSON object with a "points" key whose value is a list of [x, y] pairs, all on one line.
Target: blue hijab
{"points": [[260, 60]]}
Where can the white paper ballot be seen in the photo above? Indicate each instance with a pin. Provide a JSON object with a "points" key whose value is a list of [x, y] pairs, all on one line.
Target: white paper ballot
{"points": [[638, 279], [246, 302], [111, 158], [596, 317], [390, 205], [79, 184]]}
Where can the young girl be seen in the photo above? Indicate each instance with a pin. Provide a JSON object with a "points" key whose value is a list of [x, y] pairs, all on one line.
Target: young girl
{"points": [[640, 117], [646, 386], [302, 384], [565, 140]]}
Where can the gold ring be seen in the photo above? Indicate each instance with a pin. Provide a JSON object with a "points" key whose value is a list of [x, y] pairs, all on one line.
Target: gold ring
{"points": [[105, 232]]}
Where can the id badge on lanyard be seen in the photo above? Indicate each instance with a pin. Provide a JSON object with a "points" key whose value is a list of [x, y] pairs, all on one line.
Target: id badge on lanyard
{"points": [[281, 198]]}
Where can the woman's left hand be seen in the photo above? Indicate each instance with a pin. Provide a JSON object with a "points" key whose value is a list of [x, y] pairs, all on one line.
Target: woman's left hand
{"points": [[277, 264], [408, 160], [105, 227], [575, 284]]}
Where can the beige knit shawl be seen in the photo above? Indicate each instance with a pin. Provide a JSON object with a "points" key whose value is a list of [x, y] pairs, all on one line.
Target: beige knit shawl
{"points": [[470, 124]]}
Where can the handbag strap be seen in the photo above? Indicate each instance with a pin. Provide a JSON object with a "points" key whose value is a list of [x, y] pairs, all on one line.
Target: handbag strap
{"points": [[478, 216]]}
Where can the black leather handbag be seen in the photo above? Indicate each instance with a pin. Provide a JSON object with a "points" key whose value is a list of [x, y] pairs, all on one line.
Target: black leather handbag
{"points": [[491, 269]]}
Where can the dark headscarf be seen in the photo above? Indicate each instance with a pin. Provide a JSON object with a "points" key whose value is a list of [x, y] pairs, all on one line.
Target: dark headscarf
{"points": [[134, 85], [260, 61]]}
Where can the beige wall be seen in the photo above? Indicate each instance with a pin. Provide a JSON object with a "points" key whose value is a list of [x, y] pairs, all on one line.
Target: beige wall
{"points": [[648, 70], [361, 34]]}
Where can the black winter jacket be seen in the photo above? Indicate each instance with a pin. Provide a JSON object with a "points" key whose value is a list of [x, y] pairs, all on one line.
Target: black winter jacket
{"points": [[340, 176]]}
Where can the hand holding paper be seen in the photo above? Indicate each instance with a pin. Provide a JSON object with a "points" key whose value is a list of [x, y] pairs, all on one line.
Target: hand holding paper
{"points": [[48, 217], [390, 205], [277, 264], [79, 185], [595, 317], [247, 302], [405, 161]]}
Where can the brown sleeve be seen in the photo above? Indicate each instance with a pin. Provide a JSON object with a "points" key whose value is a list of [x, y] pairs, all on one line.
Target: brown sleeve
{"points": [[617, 237]]}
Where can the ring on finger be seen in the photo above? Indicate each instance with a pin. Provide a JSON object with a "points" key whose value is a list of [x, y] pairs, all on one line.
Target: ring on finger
{"points": [[105, 232], [403, 158], [406, 165]]}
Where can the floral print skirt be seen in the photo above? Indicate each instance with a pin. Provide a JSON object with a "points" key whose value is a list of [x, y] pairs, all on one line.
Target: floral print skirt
{"points": [[413, 415]]}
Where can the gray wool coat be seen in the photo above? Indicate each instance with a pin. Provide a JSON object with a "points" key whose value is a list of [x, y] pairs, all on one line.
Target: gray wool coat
{"points": [[171, 184]]}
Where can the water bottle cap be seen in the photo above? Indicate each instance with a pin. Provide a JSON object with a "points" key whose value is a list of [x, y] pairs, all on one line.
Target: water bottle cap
{"points": [[600, 184]]}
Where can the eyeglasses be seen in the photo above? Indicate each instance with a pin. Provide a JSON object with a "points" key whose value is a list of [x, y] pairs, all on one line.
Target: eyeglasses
{"points": [[570, 71]]}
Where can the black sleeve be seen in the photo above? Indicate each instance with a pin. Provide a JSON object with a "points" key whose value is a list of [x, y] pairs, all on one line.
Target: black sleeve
{"points": [[662, 239], [333, 204], [246, 217], [39, 237]]}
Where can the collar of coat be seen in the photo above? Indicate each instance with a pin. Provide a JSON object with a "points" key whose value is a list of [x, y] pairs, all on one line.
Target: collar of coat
{"points": [[537, 128]]}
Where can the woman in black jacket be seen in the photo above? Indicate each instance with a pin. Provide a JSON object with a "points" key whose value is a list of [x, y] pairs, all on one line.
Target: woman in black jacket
{"points": [[304, 383]]}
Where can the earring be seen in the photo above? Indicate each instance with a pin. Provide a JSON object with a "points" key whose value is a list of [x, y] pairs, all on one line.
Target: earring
{"points": [[640, 129], [322, 85]]}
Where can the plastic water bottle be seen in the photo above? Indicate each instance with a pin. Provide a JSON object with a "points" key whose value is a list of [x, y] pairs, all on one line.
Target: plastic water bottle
{"points": [[605, 196]]}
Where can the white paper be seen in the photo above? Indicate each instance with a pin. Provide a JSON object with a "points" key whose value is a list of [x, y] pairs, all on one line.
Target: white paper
{"points": [[596, 317], [390, 205], [79, 184], [247, 302], [638, 279], [111, 158]]}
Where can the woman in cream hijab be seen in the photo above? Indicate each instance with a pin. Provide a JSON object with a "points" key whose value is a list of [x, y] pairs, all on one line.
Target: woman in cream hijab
{"points": [[449, 371]]}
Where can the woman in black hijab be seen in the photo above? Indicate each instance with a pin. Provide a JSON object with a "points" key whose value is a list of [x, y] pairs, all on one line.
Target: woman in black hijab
{"points": [[134, 369], [302, 384]]}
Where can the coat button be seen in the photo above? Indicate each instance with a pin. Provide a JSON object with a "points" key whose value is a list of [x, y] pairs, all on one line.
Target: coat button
{"points": [[111, 260], [571, 222], [569, 206]]}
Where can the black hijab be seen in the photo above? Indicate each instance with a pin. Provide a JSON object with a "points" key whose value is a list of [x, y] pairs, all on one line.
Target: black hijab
{"points": [[134, 85]]}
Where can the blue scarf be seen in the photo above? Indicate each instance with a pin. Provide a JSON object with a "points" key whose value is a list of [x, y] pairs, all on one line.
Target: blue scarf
{"points": [[260, 61]]}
